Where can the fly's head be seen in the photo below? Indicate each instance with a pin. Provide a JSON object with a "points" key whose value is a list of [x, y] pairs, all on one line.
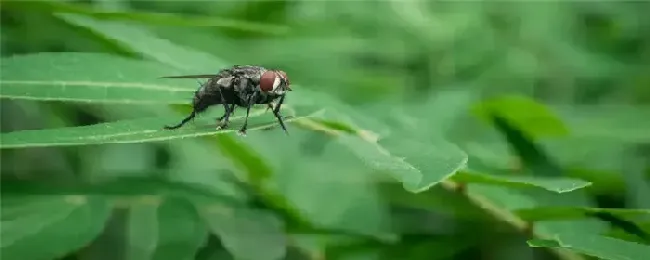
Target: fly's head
{"points": [[275, 82]]}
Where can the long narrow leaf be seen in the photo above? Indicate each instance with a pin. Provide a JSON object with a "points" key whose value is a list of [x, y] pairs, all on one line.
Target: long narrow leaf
{"points": [[91, 77], [129, 131]]}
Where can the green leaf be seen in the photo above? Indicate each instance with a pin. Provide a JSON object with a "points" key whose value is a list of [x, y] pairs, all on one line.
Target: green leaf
{"points": [[531, 154], [55, 225], [141, 41], [160, 223], [307, 184], [150, 228], [561, 213], [142, 230], [543, 243], [90, 77], [257, 172], [554, 184], [180, 231], [120, 187], [130, 131], [597, 246], [247, 234], [419, 165], [144, 42], [620, 122], [161, 18], [439, 200], [533, 118]]}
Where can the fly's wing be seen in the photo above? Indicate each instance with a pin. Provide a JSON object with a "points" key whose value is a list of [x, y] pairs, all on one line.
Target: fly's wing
{"points": [[221, 74], [202, 76]]}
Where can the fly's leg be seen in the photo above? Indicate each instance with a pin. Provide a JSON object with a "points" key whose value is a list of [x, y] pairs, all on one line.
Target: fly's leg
{"points": [[185, 120], [225, 119], [270, 107], [223, 124], [276, 112], [250, 101]]}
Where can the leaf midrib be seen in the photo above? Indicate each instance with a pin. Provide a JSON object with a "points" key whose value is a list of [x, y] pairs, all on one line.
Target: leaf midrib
{"points": [[98, 84]]}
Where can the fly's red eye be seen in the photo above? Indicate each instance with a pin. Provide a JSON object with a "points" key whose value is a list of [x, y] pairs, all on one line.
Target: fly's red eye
{"points": [[267, 80]]}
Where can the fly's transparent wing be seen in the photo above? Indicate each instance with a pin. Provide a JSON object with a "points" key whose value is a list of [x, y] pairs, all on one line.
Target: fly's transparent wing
{"points": [[201, 76]]}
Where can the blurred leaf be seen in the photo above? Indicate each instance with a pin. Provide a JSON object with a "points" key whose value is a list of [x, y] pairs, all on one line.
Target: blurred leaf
{"points": [[506, 203], [615, 122], [608, 122], [436, 199], [306, 184], [416, 164], [257, 173], [597, 246], [628, 226], [559, 185], [560, 213], [129, 131], [180, 231], [161, 222], [90, 77], [144, 42], [142, 230], [531, 117], [120, 187], [57, 225], [158, 18], [531, 154], [543, 243], [247, 234]]}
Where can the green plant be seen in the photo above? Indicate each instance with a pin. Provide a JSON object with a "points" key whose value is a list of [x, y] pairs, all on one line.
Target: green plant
{"points": [[358, 180]]}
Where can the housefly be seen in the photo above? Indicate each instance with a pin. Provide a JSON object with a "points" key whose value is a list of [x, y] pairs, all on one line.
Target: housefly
{"points": [[239, 85]]}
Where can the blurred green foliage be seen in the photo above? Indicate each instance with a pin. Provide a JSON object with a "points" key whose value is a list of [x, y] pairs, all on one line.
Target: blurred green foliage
{"points": [[419, 130]]}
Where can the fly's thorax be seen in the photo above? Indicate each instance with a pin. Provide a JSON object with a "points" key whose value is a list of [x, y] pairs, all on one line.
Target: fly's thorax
{"points": [[224, 82]]}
